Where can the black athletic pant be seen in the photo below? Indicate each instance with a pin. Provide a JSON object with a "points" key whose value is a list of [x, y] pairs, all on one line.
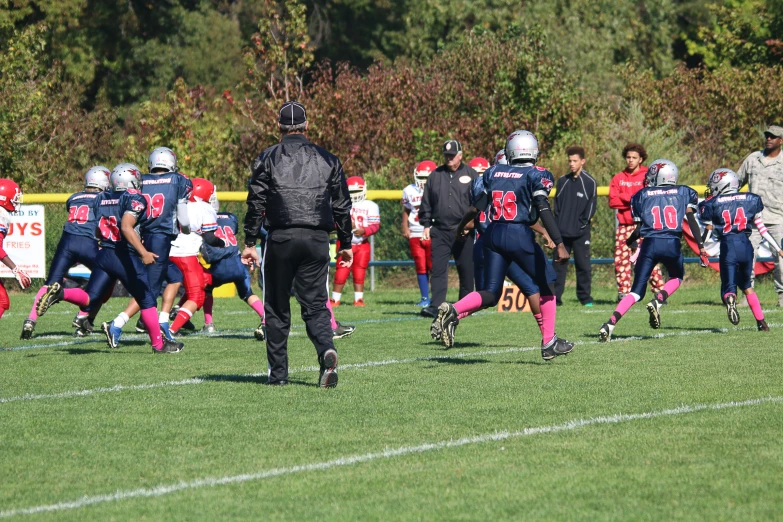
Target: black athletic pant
{"points": [[444, 246], [298, 257], [580, 246]]}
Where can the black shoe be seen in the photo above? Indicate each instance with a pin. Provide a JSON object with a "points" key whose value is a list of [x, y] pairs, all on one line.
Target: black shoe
{"points": [[140, 328], [188, 326], [83, 323], [429, 311], [276, 383], [27, 329], [170, 347], [447, 320], [260, 332], [173, 313], [731, 309], [762, 326], [556, 347], [328, 376], [54, 294], [654, 308], [342, 330]]}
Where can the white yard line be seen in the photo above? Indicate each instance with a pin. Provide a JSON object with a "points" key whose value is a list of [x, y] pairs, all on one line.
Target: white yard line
{"points": [[349, 460], [343, 367]]}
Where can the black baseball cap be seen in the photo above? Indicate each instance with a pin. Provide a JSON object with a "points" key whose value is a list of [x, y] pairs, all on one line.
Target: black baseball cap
{"points": [[292, 113], [452, 147]]}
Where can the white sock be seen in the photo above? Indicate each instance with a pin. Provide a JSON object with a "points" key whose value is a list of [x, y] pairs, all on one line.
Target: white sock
{"points": [[121, 320], [336, 296], [358, 295], [163, 318]]}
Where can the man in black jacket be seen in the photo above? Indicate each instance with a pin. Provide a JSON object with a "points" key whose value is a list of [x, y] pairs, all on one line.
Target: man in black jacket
{"points": [[300, 189], [575, 203], [445, 201]]}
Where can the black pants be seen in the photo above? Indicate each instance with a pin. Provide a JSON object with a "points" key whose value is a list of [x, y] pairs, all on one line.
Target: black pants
{"points": [[298, 257], [580, 246], [444, 246]]}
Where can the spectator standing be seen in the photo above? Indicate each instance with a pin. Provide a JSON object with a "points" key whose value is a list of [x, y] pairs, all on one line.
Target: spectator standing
{"points": [[762, 171], [575, 204], [301, 190], [445, 201], [623, 186]]}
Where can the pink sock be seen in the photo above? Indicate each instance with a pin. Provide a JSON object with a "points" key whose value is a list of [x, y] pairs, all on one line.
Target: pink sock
{"points": [[755, 306], [468, 304], [670, 287], [33, 314], [331, 313], [540, 320], [548, 314], [208, 302], [727, 294], [149, 316], [258, 306], [463, 315], [81, 314], [626, 304], [76, 296]]}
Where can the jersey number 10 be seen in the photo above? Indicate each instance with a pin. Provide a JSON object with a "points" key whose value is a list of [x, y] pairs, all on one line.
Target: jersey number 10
{"points": [[669, 217]]}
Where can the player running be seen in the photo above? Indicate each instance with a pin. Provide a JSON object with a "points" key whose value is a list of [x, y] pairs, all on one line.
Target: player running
{"points": [[730, 215], [121, 256], [518, 194], [366, 221], [421, 250], [658, 210], [78, 243], [10, 201]]}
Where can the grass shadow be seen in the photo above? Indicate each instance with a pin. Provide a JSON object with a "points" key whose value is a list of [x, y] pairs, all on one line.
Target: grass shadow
{"points": [[457, 360], [86, 351], [252, 379]]}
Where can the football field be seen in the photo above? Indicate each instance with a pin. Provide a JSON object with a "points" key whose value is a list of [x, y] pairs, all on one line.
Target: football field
{"points": [[681, 423]]}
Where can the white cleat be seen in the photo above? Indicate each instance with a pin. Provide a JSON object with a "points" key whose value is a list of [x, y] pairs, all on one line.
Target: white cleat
{"points": [[605, 333]]}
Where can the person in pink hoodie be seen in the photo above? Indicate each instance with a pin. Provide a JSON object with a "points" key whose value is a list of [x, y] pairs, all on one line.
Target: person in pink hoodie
{"points": [[622, 188]]}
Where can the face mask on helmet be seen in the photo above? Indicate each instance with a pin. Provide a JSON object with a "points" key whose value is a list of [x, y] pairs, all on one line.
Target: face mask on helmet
{"points": [[723, 181], [125, 176], [357, 189], [521, 147], [213, 200], [163, 158], [97, 177], [422, 172], [10, 195], [662, 173]]}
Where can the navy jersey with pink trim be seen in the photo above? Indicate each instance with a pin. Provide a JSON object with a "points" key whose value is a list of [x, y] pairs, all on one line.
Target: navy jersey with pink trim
{"points": [[227, 227], [163, 193], [731, 213], [661, 210], [109, 214], [81, 214], [511, 189]]}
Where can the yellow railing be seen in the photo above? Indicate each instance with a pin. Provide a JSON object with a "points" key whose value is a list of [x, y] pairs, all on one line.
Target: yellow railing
{"points": [[242, 196]]}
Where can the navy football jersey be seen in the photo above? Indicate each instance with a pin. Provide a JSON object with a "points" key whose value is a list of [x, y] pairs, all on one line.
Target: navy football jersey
{"points": [[477, 191], [731, 213], [227, 226], [661, 210], [109, 216], [81, 214], [511, 189], [163, 193]]}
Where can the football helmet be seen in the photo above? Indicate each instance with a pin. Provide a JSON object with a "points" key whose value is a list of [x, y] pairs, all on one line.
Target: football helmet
{"points": [[163, 158], [500, 157], [97, 177], [422, 172], [479, 164], [10, 195], [521, 145], [357, 188], [723, 181], [125, 176], [203, 190], [662, 172]]}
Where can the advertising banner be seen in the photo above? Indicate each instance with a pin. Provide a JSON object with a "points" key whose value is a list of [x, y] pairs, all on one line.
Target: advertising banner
{"points": [[26, 242]]}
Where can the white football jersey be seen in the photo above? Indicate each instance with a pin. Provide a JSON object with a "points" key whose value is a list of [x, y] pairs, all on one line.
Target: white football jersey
{"points": [[203, 218], [5, 221], [364, 214], [411, 199]]}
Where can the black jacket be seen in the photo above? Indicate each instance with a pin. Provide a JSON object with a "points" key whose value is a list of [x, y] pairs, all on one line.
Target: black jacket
{"points": [[575, 203], [446, 197], [297, 184]]}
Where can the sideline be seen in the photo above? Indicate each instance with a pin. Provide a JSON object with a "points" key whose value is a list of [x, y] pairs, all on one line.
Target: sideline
{"points": [[350, 460]]}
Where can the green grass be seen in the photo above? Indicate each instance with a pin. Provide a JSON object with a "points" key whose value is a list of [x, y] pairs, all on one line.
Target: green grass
{"points": [[710, 464]]}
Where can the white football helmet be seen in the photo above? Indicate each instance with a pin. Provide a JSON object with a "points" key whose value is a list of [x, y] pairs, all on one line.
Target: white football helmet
{"points": [[125, 176], [357, 188], [662, 172], [500, 157], [723, 181], [97, 177], [163, 158], [521, 145]]}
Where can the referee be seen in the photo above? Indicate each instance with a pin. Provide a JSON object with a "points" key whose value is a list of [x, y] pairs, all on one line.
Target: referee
{"points": [[300, 188], [445, 201]]}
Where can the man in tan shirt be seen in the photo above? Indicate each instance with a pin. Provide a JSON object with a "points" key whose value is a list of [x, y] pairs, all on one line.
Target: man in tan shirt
{"points": [[762, 171]]}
